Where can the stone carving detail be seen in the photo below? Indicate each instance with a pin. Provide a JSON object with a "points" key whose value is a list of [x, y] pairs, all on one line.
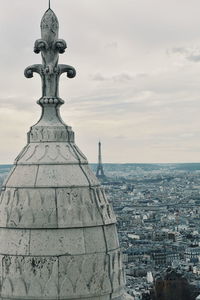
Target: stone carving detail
{"points": [[50, 76], [29, 276], [104, 206], [45, 100], [63, 276], [28, 208], [36, 208], [50, 134], [76, 207], [50, 153], [116, 270], [87, 275], [50, 47]]}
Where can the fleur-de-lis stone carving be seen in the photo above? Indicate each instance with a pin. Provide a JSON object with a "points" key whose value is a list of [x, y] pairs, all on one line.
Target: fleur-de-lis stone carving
{"points": [[50, 47]]}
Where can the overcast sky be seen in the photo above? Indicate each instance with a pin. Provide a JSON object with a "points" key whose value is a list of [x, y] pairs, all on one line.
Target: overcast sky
{"points": [[138, 77]]}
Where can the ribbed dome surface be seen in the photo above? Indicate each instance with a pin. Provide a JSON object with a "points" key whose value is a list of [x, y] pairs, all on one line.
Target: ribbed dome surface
{"points": [[58, 235]]}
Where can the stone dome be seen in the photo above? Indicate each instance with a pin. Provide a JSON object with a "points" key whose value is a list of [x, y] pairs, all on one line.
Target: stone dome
{"points": [[58, 237]]}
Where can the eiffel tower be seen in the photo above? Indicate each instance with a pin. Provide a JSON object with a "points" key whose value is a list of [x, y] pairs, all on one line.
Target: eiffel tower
{"points": [[100, 172]]}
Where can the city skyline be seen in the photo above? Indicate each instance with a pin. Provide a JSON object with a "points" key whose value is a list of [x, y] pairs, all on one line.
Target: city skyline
{"points": [[138, 77]]}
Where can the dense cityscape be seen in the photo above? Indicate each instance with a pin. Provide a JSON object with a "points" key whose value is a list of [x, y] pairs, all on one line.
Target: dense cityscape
{"points": [[158, 213], [158, 210]]}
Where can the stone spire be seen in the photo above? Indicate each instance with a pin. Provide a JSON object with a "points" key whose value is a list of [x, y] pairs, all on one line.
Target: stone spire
{"points": [[58, 237], [50, 127]]}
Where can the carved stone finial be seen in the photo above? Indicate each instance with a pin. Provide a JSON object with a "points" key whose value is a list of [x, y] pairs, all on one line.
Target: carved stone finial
{"points": [[49, 26], [50, 47]]}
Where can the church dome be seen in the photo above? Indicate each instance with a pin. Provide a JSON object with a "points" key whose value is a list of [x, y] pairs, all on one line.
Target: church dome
{"points": [[58, 237]]}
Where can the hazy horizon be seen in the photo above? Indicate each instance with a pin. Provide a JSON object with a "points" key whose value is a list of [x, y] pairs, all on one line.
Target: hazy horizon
{"points": [[129, 163]]}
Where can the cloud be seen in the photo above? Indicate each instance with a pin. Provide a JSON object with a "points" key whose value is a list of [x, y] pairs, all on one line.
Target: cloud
{"points": [[194, 57], [98, 77], [122, 77], [180, 50], [190, 53], [117, 77]]}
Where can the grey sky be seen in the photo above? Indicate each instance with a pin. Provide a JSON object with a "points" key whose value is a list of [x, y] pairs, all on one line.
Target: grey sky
{"points": [[138, 77]]}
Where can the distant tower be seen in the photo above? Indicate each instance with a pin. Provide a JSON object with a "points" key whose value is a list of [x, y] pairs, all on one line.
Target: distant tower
{"points": [[100, 173]]}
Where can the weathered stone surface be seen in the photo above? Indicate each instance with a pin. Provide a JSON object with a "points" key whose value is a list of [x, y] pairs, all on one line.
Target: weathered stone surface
{"points": [[48, 153], [53, 208], [84, 276], [116, 271], [29, 277], [66, 277], [93, 181], [28, 208], [15, 242], [81, 157], [77, 207], [94, 240], [23, 176], [50, 134], [104, 207], [57, 242], [60, 176], [111, 237]]}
